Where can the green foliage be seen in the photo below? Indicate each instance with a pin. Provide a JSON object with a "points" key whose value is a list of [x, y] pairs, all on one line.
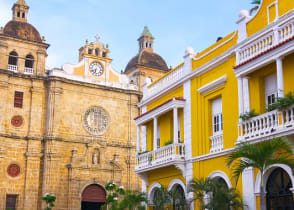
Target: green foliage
{"points": [[282, 103], [219, 196], [247, 115], [168, 142], [255, 2], [120, 199], [260, 156], [141, 153], [164, 198], [49, 199]]}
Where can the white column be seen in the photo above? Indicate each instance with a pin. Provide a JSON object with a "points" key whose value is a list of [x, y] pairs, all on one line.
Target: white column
{"points": [[246, 96], [280, 79], [144, 138], [175, 125], [240, 95], [154, 133], [138, 138], [248, 188]]}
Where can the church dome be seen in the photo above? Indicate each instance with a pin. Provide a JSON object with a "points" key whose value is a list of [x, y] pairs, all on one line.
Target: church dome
{"points": [[147, 59], [22, 30]]}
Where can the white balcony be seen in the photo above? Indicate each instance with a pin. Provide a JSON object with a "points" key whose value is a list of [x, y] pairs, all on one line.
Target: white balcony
{"points": [[28, 70], [271, 124], [279, 32], [216, 143], [173, 154], [12, 68], [165, 81]]}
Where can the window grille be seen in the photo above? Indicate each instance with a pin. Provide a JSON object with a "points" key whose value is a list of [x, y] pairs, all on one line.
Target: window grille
{"points": [[18, 99]]}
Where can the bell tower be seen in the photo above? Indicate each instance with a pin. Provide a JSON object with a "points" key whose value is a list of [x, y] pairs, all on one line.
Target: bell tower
{"points": [[20, 11], [146, 40]]}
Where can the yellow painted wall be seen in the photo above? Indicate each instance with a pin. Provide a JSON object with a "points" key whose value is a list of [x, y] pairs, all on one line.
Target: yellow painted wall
{"points": [[170, 173], [201, 108], [220, 46], [256, 87], [166, 128], [149, 126], [175, 93], [113, 77], [288, 73], [260, 20], [79, 71]]}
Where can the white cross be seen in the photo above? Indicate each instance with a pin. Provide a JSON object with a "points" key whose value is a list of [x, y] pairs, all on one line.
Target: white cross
{"points": [[97, 37]]}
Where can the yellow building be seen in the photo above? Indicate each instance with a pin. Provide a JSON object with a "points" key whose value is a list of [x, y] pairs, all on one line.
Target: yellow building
{"points": [[190, 118], [63, 131]]}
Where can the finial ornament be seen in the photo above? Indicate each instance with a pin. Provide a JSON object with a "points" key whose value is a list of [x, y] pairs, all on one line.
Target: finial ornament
{"points": [[97, 37]]}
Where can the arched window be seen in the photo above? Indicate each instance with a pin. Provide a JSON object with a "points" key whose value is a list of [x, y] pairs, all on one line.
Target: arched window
{"points": [[13, 58], [18, 14], [178, 197], [279, 195], [29, 63], [90, 51], [23, 15], [104, 54], [97, 52]]}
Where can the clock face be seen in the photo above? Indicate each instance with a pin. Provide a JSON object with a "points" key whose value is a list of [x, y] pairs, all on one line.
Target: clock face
{"points": [[96, 69]]}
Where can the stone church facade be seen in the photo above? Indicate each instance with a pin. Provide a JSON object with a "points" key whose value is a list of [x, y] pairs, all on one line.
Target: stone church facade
{"points": [[65, 131]]}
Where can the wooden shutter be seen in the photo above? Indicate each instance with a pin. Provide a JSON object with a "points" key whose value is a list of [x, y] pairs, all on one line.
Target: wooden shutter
{"points": [[18, 99], [94, 193]]}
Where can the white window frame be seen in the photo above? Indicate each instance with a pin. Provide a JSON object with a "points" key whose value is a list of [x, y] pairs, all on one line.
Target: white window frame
{"points": [[270, 89], [217, 116]]}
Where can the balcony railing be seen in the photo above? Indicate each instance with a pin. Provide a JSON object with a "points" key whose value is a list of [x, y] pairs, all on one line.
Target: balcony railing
{"points": [[12, 68], [216, 143], [265, 42], [165, 81], [161, 157], [270, 123], [28, 70]]}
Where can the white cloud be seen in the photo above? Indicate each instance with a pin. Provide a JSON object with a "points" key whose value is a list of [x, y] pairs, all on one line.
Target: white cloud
{"points": [[5, 12]]}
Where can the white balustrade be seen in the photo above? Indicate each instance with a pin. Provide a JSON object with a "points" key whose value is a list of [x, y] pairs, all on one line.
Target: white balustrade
{"points": [[12, 68], [163, 155], [216, 143], [266, 42], [28, 70], [166, 81], [270, 123]]}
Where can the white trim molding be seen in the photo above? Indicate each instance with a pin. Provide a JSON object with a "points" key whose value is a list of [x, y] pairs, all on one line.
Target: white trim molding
{"points": [[161, 109], [222, 175], [267, 173], [213, 85], [179, 182], [151, 191]]}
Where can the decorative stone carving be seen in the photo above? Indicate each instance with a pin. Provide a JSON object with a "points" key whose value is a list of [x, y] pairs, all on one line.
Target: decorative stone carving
{"points": [[96, 121], [96, 157], [13, 170], [17, 121]]}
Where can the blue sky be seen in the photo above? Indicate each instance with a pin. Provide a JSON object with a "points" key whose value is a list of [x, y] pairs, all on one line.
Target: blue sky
{"points": [[66, 24]]}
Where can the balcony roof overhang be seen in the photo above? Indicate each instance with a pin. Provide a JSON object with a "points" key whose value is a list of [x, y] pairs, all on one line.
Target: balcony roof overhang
{"points": [[167, 106], [281, 50]]}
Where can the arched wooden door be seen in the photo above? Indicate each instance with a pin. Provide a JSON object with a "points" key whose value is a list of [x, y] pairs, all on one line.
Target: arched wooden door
{"points": [[279, 195], [93, 197]]}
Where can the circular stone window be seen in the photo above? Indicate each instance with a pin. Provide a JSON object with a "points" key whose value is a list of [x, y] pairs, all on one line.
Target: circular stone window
{"points": [[13, 170], [17, 121], [96, 121]]}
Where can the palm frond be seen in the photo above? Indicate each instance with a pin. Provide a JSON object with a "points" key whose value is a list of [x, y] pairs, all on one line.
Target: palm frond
{"points": [[256, 2]]}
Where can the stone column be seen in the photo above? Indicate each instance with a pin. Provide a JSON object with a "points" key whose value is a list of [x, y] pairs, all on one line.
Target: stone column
{"points": [[246, 94], [175, 111], [3, 102], [144, 138], [280, 78], [138, 137], [248, 188], [240, 95], [154, 133], [32, 179]]}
